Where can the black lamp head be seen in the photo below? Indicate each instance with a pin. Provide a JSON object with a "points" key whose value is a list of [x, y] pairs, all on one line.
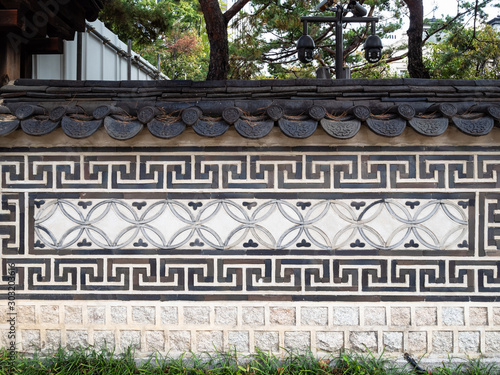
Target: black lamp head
{"points": [[305, 48], [357, 9], [373, 49]]}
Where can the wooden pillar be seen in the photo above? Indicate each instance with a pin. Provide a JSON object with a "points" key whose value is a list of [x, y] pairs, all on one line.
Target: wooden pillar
{"points": [[26, 64], [79, 56], [10, 61]]}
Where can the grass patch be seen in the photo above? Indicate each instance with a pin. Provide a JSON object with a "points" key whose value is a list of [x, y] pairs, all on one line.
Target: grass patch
{"points": [[90, 361]]}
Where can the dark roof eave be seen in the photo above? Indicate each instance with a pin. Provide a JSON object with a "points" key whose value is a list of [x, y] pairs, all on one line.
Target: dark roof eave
{"points": [[297, 107]]}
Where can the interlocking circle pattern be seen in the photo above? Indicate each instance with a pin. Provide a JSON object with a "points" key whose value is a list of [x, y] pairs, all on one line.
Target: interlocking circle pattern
{"points": [[273, 224]]}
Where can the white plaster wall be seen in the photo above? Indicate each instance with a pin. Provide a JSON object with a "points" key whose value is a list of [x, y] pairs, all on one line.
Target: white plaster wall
{"points": [[99, 61]]}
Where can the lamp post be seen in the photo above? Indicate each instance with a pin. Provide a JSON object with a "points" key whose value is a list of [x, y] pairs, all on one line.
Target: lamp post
{"points": [[373, 45]]}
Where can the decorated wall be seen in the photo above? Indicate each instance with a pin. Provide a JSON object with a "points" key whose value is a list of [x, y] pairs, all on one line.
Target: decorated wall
{"points": [[273, 215]]}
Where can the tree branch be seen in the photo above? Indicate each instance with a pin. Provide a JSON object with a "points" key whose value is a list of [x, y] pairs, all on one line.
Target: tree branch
{"points": [[325, 33], [446, 24], [231, 12], [386, 61], [264, 7], [475, 28]]}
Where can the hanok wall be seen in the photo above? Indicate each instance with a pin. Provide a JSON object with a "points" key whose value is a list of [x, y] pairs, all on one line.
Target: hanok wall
{"points": [[298, 214]]}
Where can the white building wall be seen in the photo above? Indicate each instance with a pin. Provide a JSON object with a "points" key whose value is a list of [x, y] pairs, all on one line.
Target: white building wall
{"points": [[99, 61]]}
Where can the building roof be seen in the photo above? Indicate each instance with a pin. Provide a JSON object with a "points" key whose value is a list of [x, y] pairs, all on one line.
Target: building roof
{"points": [[36, 20], [494, 21], [253, 108]]}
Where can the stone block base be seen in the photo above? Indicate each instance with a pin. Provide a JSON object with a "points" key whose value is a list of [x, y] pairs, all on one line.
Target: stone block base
{"points": [[437, 331]]}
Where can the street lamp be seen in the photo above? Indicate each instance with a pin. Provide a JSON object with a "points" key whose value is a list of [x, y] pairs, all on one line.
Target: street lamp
{"points": [[373, 45], [305, 48], [356, 8]]}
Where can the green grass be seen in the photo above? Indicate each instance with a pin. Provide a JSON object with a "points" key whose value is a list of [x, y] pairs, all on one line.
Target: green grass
{"points": [[91, 361]]}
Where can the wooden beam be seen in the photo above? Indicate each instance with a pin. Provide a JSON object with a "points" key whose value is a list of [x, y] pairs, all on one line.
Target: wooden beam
{"points": [[40, 19], [26, 64], [60, 31], [45, 46], [10, 61], [10, 4], [92, 8], [75, 15], [10, 20], [43, 21]]}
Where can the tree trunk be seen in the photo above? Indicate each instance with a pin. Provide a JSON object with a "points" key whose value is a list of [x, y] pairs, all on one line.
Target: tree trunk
{"points": [[416, 66], [217, 35], [216, 24]]}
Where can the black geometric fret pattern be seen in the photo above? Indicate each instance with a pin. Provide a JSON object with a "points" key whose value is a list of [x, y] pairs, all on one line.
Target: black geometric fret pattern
{"points": [[227, 224], [198, 278], [248, 171]]}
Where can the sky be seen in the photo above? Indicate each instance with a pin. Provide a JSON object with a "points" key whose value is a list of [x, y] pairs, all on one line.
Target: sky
{"points": [[443, 7], [450, 7]]}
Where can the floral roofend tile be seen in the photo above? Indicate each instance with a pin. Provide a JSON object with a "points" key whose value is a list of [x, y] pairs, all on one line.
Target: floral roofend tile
{"points": [[299, 107]]}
